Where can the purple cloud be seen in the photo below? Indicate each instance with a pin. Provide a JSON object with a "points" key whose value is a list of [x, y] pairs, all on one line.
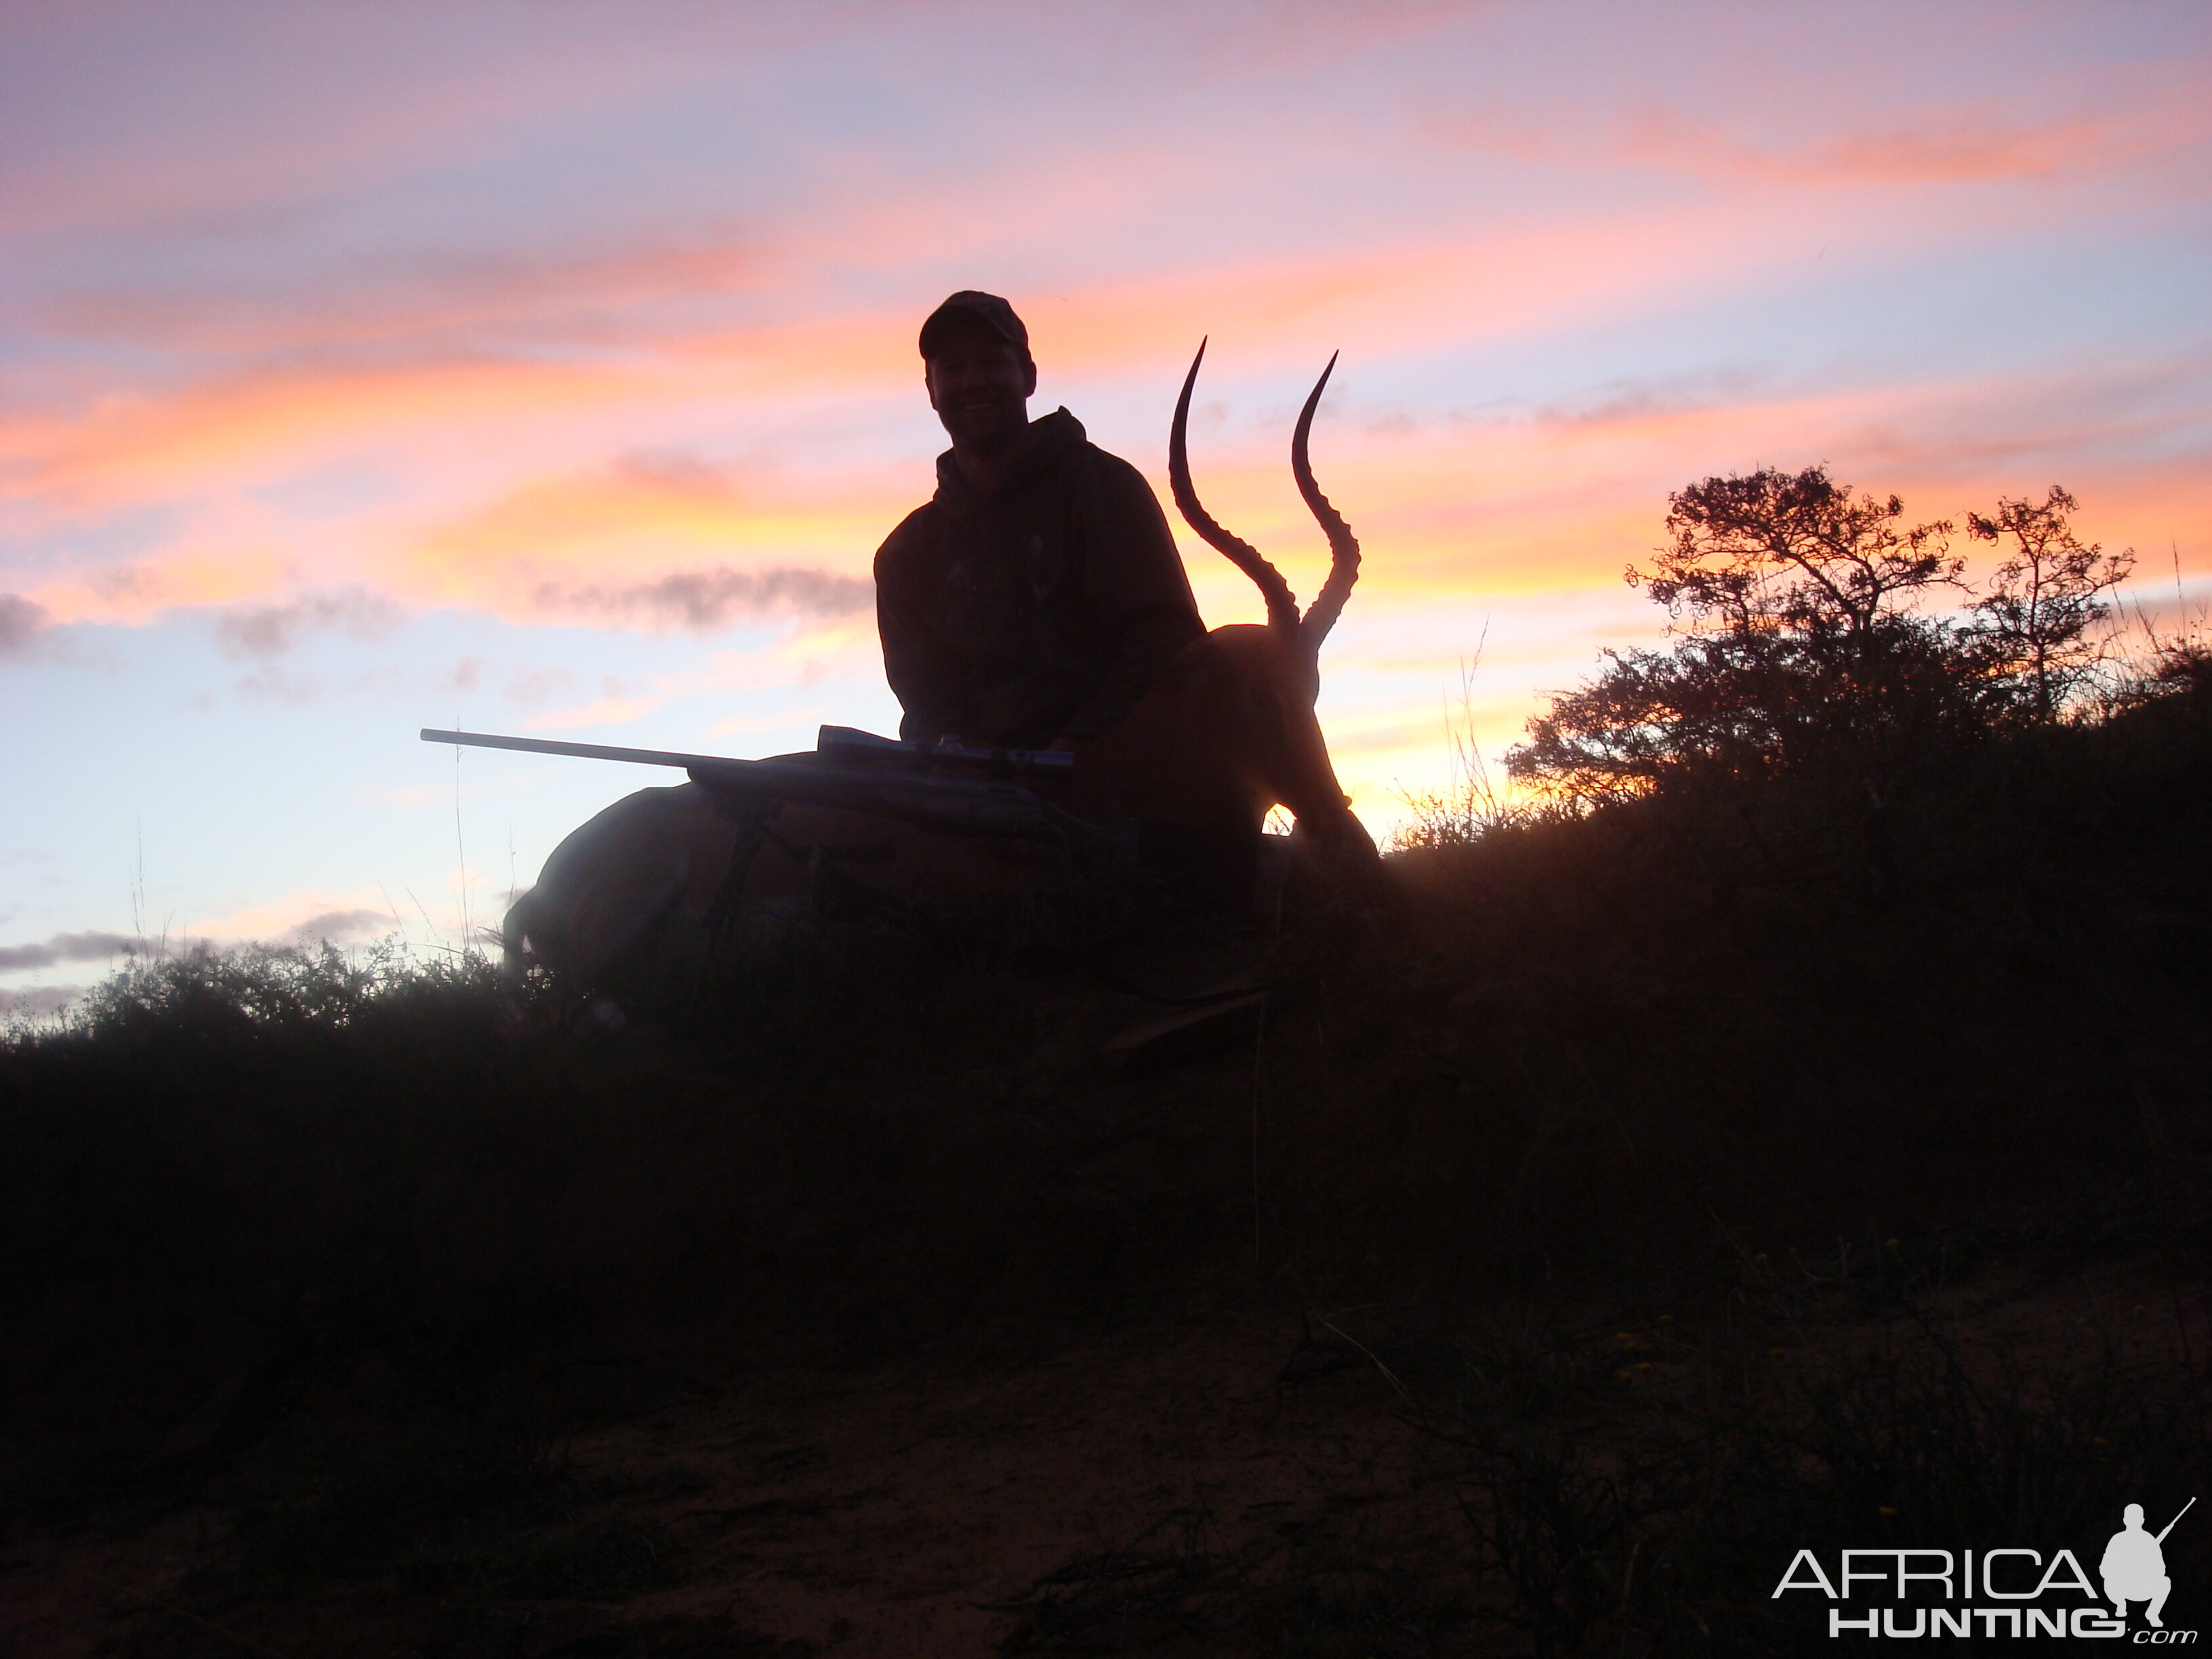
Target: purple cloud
{"points": [[68, 947], [39, 1000], [338, 926], [270, 630], [20, 623], [702, 600]]}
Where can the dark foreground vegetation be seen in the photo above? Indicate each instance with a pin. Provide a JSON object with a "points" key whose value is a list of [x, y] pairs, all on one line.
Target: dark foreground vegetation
{"points": [[1740, 1149]]}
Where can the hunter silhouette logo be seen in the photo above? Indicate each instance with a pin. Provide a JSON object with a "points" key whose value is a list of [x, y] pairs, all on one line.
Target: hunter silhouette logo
{"points": [[2000, 1592], [2134, 1567]]}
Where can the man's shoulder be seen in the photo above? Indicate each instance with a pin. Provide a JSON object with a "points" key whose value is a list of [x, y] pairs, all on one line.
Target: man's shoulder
{"points": [[1062, 452], [1112, 467], [914, 537], [1106, 479]]}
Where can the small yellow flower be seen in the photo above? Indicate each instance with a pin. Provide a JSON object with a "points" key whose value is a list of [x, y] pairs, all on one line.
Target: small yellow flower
{"points": [[1884, 1509], [1642, 1365], [1776, 1353], [2098, 1440]]}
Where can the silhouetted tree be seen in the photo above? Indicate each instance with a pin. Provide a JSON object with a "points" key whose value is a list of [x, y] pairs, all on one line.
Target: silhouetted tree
{"points": [[1793, 604], [1777, 549], [2034, 622]]}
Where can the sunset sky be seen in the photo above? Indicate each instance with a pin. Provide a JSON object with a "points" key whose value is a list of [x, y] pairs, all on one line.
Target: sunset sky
{"points": [[549, 367]]}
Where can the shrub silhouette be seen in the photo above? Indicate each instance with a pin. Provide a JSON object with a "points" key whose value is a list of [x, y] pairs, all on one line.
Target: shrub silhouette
{"points": [[2032, 628], [1802, 641]]}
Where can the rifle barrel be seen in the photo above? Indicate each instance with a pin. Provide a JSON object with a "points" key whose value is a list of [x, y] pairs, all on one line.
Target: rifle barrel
{"points": [[958, 806], [2176, 1522], [581, 750]]}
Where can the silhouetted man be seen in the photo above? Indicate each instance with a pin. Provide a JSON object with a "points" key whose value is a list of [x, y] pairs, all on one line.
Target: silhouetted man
{"points": [[2134, 1567], [1029, 601]]}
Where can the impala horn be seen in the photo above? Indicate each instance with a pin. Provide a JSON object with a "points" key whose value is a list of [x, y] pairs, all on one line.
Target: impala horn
{"points": [[1282, 604], [1343, 546]]}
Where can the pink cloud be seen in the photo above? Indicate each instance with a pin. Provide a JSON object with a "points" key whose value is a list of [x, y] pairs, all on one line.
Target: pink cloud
{"points": [[2155, 120], [133, 444], [1978, 145], [243, 117], [423, 304]]}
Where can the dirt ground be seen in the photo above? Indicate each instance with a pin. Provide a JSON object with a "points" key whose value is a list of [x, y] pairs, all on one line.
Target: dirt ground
{"points": [[880, 1514], [1092, 1500]]}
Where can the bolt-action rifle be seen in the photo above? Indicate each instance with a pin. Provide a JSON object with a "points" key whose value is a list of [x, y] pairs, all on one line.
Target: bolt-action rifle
{"points": [[2176, 1522], [958, 788]]}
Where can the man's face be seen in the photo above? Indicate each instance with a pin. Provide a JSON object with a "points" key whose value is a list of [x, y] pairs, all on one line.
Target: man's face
{"points": [[980, 387]]}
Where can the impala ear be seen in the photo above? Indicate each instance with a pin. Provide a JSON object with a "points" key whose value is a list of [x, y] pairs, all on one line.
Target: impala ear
{"points": [[1343, 546]]}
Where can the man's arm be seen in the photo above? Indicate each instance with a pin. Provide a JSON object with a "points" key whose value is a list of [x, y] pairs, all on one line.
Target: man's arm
{"points": [[931, 688], [1138, 591]]}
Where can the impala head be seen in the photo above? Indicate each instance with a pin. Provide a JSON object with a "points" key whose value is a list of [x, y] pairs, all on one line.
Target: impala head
{"points": [[1308, 632]]}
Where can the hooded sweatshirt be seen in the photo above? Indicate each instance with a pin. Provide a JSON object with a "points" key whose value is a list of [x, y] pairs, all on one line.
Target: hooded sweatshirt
{"points": [[1040, 612]]}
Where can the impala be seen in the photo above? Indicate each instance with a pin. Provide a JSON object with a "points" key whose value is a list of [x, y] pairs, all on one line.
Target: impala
{"points": [[1227, 730]]}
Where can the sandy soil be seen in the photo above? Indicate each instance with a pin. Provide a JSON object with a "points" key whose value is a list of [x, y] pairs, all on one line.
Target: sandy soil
{"points": [[875, 1514], [908, 1511]]}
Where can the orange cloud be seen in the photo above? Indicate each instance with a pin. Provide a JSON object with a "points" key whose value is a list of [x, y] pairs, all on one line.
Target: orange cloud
{"points": [[248, 423], [499, 499], [303, 917], [185, 576], [1405, 297], [654, 541], [130, 446]]}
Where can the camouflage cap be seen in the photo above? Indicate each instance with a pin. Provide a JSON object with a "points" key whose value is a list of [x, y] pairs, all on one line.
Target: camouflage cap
{"points": [[984, 311]]}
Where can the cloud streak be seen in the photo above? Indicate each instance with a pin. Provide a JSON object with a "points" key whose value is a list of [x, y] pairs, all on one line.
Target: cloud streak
{"points": [[705, 600], [70, 947], [341, 926], [38, 1001], [21, 622], [269, 631], [1982, 144], [428, 305]]}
